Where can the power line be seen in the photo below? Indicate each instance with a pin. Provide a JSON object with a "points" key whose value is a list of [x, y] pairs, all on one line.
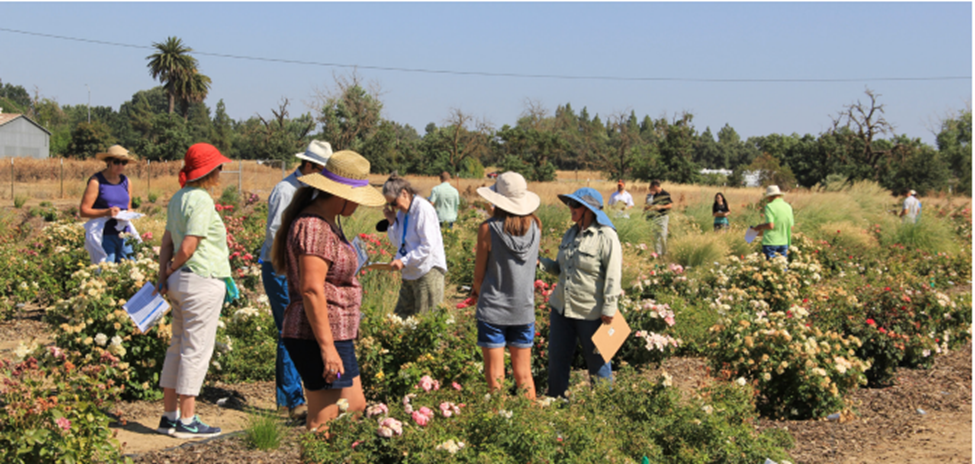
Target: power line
{"points": [[499, 74]]}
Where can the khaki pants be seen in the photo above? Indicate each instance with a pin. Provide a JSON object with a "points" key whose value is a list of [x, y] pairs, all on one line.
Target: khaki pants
{"points": [[196, 305], [420, 295]]}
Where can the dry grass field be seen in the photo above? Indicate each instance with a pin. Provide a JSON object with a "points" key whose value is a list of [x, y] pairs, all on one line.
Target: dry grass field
{"points": [[42, 180]]}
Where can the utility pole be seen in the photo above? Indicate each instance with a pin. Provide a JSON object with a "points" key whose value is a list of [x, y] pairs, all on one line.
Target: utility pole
{"points": [[89, 103]]}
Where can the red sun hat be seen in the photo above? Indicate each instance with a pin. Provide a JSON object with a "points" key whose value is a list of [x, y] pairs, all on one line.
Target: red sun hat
{"points": [[201, 159]]}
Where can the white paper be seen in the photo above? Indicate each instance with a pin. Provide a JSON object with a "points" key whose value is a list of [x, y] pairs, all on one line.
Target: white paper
{"points": [[750, 235], [127, 215], [145, 309], [360, 254]]}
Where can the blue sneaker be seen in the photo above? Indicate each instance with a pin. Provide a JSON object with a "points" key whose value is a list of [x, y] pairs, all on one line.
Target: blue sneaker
{"points": [[196, 429], [166, 426]]}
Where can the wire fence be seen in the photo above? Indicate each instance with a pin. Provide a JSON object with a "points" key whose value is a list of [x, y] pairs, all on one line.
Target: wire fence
{"points": [[26, 179]]}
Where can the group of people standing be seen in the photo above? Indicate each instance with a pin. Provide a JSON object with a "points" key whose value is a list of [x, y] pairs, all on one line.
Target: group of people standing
{"points": [[309, 272]]}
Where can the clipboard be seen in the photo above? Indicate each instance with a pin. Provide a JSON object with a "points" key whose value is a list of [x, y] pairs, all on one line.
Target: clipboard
{"points": [[610, 337], [750, 235], [146, 309], [379, 266]]}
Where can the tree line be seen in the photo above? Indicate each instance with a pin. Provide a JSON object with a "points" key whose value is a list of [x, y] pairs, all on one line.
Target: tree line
{"points": [[161, 122]]}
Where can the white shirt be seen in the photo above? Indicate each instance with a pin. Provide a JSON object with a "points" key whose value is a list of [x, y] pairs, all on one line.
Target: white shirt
{"points": [[623, 196], [913, 207], [424, 243]]}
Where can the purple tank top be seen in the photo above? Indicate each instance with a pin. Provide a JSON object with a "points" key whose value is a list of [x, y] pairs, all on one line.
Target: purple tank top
{"points": [[110, 195]]}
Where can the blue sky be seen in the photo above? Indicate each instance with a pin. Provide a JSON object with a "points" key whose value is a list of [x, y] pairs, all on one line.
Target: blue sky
{"points": [[659, 40]]}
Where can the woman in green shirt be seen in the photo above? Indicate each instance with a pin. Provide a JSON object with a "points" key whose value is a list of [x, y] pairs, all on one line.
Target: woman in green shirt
{"points": [[193, 265]]}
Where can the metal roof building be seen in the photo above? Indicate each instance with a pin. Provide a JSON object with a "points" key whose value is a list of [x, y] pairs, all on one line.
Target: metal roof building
{"points": [[22, 137]]}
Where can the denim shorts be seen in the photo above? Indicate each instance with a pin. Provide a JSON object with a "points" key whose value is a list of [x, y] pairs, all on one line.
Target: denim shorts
{"points": [[307, 358], [500, 336]]}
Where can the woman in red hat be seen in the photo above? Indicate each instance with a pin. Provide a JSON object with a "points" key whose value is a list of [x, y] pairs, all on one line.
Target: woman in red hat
{"points": [[193, 265]]}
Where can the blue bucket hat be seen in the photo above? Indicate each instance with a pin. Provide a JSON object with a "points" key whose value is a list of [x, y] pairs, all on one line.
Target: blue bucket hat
{"points": [[591, 199]]}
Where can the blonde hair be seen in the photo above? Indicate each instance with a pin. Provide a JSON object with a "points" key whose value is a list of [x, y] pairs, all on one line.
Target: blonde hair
{"points": [[517, 225], [206, 182]]}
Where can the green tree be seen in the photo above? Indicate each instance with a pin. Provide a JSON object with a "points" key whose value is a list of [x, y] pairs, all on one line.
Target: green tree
{"points": [[771, 172], [955, 145], [89, 139], [279, 137], [173, 66], [677, 151], [222, 129], [350, 116], [14, 98], [915, 165], [529, 151]]}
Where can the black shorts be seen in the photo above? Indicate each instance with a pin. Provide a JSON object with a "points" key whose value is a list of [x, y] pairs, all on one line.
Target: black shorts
{"points": [[307, 358]]}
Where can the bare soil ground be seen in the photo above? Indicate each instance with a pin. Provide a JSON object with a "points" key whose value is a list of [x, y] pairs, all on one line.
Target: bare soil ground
{"points": [[925, 418]]}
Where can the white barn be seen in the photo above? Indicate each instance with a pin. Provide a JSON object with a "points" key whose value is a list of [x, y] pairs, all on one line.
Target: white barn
{"points": [[22, 137]]}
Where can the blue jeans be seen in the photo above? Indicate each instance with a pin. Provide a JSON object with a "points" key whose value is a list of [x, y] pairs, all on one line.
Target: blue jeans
{"points": [[116, 249], [564, 335], [286, 378], [771, 250]]}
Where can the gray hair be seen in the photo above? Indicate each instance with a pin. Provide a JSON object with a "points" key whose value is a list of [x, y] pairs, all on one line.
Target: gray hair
{"points": [[396, 184]]}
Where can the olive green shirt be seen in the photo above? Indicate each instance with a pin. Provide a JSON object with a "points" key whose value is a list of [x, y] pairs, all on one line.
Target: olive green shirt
{"points": [[589, 266], [779, 213], [191, 212]]}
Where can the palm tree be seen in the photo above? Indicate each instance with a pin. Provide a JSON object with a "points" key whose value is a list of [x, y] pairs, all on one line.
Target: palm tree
{"points": [[173, 67], [193, 90]]}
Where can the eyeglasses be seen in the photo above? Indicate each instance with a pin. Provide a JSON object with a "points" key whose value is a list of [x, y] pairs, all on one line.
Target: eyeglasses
{"points": [[573, 204], [120, 162]]}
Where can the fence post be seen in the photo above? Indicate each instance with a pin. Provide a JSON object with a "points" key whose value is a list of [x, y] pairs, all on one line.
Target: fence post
{"points": [[240, 177], [62, 178], [148, 178], [12, 180]]}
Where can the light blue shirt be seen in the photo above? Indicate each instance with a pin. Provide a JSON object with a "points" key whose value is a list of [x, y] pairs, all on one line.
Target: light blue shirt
{"points": [[279, 199]]}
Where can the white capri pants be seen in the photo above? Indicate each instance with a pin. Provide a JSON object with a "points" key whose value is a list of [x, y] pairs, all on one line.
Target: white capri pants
{"points": [[196, 302]]}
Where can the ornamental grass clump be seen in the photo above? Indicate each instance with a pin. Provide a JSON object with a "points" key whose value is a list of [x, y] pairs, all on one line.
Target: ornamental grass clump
{"points": [[799, 371]]}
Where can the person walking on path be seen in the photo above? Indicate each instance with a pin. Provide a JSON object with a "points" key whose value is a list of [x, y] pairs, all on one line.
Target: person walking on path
{"points": [[286, 380], [194, 269], [776, 231], [504, 277], [911, 211], [108, 193], [720, 212], [445, 199], [321, 322], [657, 207], [415, 230], [589, 266]]}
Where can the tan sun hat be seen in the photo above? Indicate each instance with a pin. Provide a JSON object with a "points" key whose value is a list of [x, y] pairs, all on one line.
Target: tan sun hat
{"points": [[116, 152], [772, 190], [346, 176], [510, 193]]}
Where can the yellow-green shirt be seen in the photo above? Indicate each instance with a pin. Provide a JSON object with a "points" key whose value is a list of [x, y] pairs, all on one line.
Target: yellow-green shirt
{"points": [[589, 266], [191, 212], [779, 213]]}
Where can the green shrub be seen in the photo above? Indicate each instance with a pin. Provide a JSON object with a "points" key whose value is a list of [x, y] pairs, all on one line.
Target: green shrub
{"points": [[799, 371], [136, 202], [247, 342], [152, 196], [230, 196], [693, 250], [470, 425], [20, 200], [54, 408], [263, 432]]}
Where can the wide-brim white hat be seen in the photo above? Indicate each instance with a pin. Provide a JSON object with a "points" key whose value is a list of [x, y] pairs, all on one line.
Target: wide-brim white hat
{"points": [[346, 175], [510, 193], [772, 190], [317, 152]]}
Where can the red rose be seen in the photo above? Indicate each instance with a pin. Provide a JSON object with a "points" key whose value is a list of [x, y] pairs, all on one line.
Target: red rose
{"points": [[871, 322]]}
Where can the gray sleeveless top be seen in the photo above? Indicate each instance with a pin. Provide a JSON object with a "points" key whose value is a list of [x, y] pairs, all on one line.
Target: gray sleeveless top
{"points": [[507, 292]]}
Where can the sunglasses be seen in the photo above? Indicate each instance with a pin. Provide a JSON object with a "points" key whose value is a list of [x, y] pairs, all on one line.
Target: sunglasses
{"points": [[573, 204], [119, 162]]}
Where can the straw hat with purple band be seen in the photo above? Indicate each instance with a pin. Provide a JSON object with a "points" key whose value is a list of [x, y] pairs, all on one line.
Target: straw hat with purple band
{"points": [[591, 199], [318, 152], [510, 193], [115, 152], [346, 176]]}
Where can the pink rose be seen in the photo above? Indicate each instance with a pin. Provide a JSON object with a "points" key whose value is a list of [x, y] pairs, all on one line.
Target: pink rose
{"points": [[456, 386], [420, 419], [389, 427], [426, 383], [64, 423]]}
